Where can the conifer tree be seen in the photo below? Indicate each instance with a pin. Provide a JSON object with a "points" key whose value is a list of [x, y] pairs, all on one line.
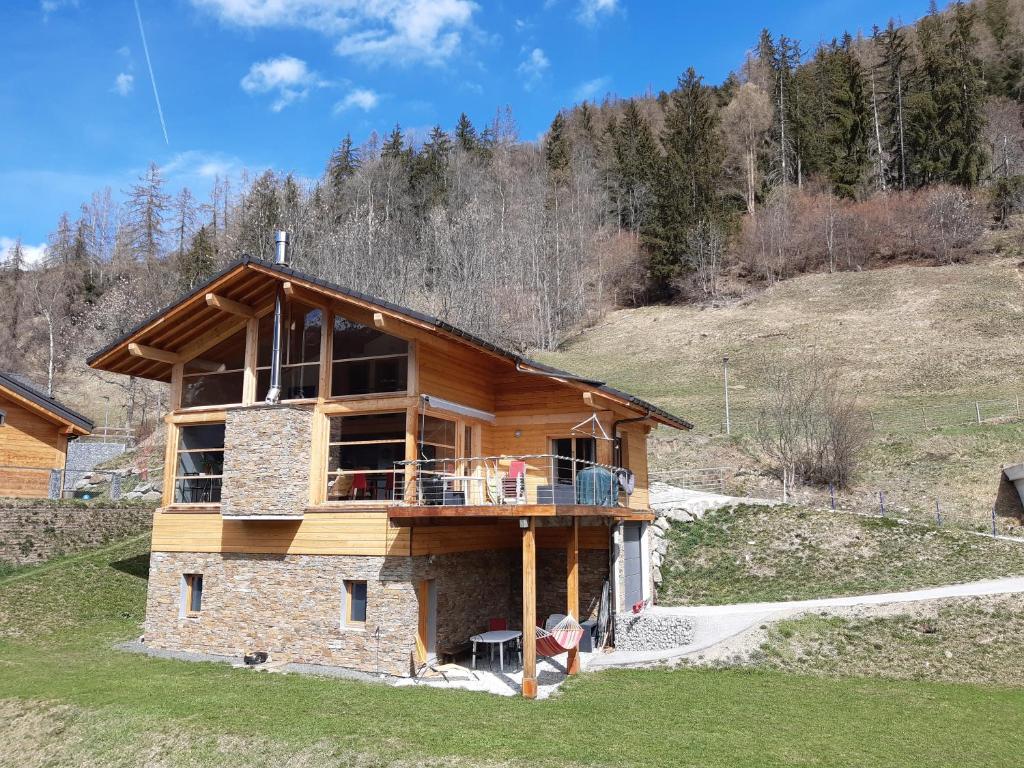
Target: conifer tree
{"points": [[965, 145], [896, 63], [634, 164], [689, 177], [848, 125], [198, 262], [343, 163], [557, 151], [465, 134], [147, 209]]}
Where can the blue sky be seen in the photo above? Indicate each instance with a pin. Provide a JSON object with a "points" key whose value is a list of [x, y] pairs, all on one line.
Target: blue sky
{"points": [[277, 83]]}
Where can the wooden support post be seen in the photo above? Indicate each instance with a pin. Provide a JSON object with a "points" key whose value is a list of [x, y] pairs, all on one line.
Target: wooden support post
{"points": [[572, 588], [530, 609], [229, 305], [152, 353], [378, 319]]}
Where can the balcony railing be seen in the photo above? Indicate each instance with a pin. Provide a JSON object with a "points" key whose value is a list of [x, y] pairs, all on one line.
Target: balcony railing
{"points": [[506, 480]]}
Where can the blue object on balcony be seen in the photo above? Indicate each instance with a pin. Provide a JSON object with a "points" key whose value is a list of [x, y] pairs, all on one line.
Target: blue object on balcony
{"points": [[596, 486]]}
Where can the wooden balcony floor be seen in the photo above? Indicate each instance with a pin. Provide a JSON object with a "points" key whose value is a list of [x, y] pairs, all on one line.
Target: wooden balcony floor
{"points": [[400, 513]]}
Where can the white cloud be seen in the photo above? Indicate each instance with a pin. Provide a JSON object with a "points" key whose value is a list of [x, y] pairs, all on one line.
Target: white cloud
{"points": [[377, 30], [123, 84], [360, 98], [286, 76], [533, 67], [196, 164], [590, 89], [31, 254], [590, 11], [52, 6]]}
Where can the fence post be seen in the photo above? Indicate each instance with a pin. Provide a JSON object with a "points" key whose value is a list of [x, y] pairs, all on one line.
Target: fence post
{"points": [[1018, 406], [938, 514], [881, 503], [832, 495], [993, 522], [53, 490], [977, 409], [115, 487]]}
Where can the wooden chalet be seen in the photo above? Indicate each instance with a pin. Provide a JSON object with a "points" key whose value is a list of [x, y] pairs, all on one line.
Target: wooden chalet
{"points": [[34, 433], [352, 483]]}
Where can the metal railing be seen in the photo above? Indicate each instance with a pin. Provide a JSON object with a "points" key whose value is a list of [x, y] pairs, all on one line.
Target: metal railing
{"points": [[509, 480]]}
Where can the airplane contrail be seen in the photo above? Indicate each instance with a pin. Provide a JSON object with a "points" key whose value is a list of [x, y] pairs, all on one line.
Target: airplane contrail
{"points": [[152, 78]]}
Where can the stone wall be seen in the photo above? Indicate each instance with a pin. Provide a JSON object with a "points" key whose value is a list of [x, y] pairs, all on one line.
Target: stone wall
{"points": [[266, 461], [291, 605], [37, 533], [83, 455], [651, 631]]}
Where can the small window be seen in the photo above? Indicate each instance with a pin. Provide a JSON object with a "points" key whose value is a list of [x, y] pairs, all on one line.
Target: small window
{"points": [[215, 377], [193, 597], [361, 455], [3, 418], [355, 604]]}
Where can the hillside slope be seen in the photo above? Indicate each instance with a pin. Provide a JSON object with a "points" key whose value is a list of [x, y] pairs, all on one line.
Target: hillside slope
{"points": [[905, 337]]}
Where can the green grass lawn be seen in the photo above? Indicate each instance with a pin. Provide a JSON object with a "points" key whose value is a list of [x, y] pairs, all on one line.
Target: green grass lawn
{"points": [[753, 554], [69, 699]]}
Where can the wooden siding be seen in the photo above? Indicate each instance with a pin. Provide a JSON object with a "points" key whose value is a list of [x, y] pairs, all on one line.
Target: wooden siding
{"points": [[346, 533], [28, 440]]}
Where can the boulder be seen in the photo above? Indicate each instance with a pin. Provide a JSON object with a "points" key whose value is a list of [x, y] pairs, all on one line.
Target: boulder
{"points": [[151, 496]]}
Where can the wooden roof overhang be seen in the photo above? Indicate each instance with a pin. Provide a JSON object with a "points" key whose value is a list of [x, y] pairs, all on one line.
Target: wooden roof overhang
{"points": [[219, 308], [69, 422]]}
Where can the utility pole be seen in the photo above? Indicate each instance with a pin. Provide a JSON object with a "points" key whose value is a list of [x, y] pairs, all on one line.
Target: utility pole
{"points": [[725, 369]]}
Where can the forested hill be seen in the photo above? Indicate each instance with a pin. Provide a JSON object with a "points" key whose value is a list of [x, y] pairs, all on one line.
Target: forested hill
{"points": [[904, 144]]}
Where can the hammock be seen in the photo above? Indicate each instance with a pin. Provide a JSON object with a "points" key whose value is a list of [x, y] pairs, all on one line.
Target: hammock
{"points": [[564, 636]]}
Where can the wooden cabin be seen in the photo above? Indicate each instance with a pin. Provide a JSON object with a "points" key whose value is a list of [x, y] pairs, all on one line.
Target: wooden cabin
{"points": [[34, 433], [407, 483]]}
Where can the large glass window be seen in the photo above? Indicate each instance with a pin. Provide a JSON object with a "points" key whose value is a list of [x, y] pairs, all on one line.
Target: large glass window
{"points": [[367, 361], [199, 470], [215, 377], [361, 456], [300, 352], [572, 455]]}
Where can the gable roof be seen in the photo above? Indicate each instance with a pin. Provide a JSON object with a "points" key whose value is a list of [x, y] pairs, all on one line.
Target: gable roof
{"points": [[20, 386], [252, 293]]}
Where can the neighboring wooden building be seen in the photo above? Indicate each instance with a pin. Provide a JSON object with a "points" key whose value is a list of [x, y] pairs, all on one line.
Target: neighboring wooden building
{"points": [[34, 434], [413, 482]]}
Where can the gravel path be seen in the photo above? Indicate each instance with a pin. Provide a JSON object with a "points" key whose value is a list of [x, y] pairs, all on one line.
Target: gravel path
{"points": [[714, 624]]}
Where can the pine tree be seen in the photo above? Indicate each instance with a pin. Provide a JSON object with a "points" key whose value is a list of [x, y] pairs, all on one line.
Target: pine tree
{"points": [[147, 208], [927, 104], [689, 177], [1005, 76], [966, 149], [635, 161], [343, 163], [896, 65], [393, 147], [197, 263], [558, 151], [430, 170], [848, 124], [465, 135]]}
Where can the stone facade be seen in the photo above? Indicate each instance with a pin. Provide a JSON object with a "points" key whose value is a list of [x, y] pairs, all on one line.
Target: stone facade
{"points": [[37, 533], [291, 605], [266, 461]]}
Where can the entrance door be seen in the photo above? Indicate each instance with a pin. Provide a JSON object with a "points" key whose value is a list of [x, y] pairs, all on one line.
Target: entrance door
{"points": [[426, 630], [632, 561]]}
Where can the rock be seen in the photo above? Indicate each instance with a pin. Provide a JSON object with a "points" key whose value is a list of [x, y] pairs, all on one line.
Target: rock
{"points": [[151, 496], [132, 495], [662, 524], [661, 547], [144, 487], [656, 575], [656, 559]]}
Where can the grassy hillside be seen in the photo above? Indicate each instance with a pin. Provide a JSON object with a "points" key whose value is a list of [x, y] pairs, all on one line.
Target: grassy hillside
{"points": [[905, 337], [69, 699], [753, 554]]}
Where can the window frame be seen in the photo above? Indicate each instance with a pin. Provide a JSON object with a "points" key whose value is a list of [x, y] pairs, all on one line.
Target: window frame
{"points": [[326, 320], [176, 453], [330, 477], [183, 376], [3, 418], [409, 355], [192, 584], [348, 603]]}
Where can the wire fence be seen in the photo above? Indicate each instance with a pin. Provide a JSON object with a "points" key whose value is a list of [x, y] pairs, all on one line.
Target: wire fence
{"points": [[896, 419], [1003, 516]]}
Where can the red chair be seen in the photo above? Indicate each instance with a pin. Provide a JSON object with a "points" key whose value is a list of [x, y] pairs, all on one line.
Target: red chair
{"points": [[497, 625], [513, 485]]}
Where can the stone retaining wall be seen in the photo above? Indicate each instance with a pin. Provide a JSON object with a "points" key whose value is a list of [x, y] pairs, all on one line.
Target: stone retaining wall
{"points": [[650, 631], [33, 534]]}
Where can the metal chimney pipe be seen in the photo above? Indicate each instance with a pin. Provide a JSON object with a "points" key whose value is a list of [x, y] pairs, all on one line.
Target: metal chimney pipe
{"points": [[281, 258]]}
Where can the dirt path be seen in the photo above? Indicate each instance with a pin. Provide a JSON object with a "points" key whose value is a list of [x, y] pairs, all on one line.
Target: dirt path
{"points": [[715, 624]]}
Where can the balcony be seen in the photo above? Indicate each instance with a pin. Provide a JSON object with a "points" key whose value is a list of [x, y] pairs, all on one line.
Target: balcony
{"points": [[538, 485]]}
